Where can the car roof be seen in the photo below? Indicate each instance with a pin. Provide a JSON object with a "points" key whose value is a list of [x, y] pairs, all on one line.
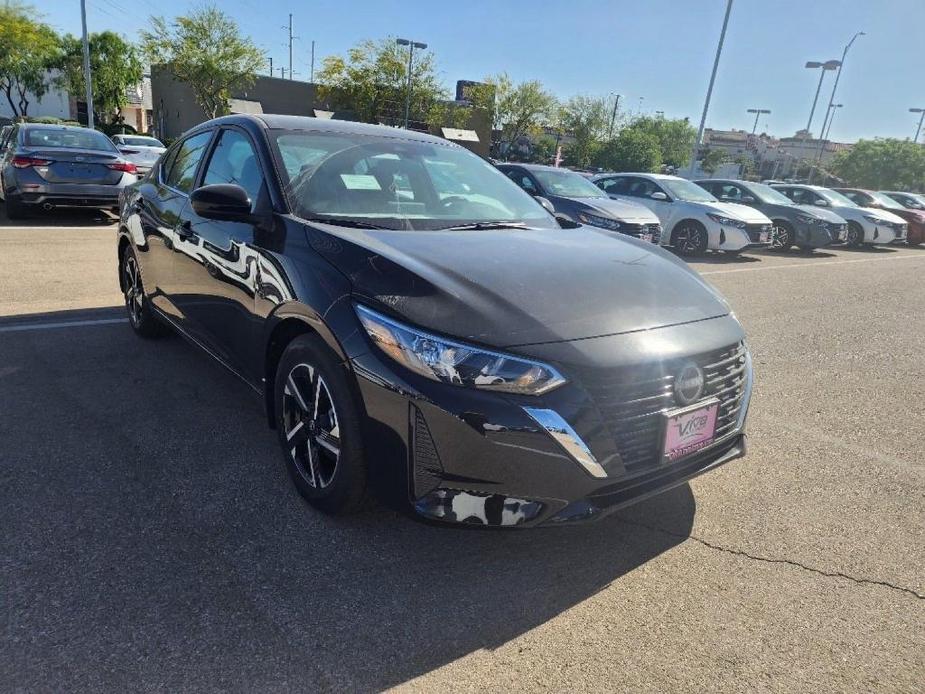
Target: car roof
{"points": [[57, 126], [270, 121], [798, 185], [536, 167]]}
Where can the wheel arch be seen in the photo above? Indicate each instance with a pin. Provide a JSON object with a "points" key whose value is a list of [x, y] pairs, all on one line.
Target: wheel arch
{"points": [[120, 254], [285, 324]]}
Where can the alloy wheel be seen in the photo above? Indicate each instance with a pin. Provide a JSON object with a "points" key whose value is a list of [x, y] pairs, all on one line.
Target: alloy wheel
{"points": [[780, 237], [854, 235], [134, 294], [688, 239], [311, 427]]}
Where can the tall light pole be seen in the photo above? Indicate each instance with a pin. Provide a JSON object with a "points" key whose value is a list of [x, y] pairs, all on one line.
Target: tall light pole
{"points": [[411, 46], [757, 112], [88, 78], [830, 116], [823, 68], [613, 116], [844, 54], [706, 104], [921, 118]]}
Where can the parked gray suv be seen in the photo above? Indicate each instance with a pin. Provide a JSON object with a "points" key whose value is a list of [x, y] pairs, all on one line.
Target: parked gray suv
{"points": [[801, 225], [46, 166]]}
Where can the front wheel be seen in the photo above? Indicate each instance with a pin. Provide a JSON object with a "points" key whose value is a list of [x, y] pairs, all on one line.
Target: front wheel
{"points": [[318, 423], [855, 235], [140, 314], [782, 237], [690, 238]]}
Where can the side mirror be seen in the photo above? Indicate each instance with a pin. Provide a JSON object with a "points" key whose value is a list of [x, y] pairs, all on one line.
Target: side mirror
{"points": [[548, 206], [821, 203], [659, 195], [222, 201]]}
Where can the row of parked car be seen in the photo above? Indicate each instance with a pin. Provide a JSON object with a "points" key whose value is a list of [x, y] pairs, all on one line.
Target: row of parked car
{"points": [[43, 166], [725, 214]]}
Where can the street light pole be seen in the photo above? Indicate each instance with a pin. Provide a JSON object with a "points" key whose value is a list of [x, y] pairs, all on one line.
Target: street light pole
{"points": [[88, 78], [411, 46], [757, 112], [613, 116], [921, 118], [823, 68], [844, 55], [829, 117], [706, 104]]}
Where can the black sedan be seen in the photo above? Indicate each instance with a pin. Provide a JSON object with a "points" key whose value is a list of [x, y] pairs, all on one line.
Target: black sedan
{"points": [[417, 324], [573, 197]]}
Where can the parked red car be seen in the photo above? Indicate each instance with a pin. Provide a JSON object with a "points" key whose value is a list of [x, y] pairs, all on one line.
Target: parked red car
{"points": [[880, 201]]}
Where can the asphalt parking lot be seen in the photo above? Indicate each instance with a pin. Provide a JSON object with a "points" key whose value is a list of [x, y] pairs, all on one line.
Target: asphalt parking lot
{"points": [[151, 540]]}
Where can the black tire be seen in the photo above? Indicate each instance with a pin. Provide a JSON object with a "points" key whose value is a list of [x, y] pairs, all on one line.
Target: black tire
{"points": [[783, 236], [855, 235], [689, 238], [15, 209], [309, 386], [140, 314]]}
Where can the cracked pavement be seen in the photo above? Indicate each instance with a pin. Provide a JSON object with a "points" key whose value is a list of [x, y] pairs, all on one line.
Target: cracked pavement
{"points": [[152, 541]]}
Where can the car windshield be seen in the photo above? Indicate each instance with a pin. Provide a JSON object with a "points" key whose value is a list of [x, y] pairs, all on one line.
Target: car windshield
{"points": [[682, 189], [141, 141], [71, 138], [567, 183], [836, 198], [768, 194], [887, 201], [396, 183]]}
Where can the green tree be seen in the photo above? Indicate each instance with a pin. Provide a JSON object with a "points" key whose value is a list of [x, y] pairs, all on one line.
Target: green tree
{"points": [[28, 49], [882, 164], [372, 81], [675, 137], [516, 109], [631, 150], [587, 119], [115, 66], [712, 159], [207, 51]]}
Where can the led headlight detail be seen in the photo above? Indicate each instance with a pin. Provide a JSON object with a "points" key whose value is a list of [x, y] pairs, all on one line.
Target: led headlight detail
{"points": [[596, 221], [726, 221], [452, 362], [809, 219]]}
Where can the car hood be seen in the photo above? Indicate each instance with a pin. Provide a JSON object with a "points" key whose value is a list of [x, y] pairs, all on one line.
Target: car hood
{"points": [[820, 213], [512, 287], [859, 213], [741, 212], [622, 210], [885, 215]]}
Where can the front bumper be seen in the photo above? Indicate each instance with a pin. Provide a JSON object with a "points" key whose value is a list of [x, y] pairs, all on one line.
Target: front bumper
{"points": [[471, 456], [818, 236], [737, 239], [883, 234]]}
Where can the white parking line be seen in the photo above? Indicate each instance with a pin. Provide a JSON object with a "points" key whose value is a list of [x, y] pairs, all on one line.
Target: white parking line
{"points": [[23, 327], [91, 227], [809, 265]]}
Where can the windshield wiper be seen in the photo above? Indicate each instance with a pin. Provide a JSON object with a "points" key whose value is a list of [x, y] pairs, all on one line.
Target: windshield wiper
{"points": [[482, 226], [354, 223]]}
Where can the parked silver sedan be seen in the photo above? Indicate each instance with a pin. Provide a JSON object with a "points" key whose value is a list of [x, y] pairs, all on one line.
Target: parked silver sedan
{"points": [[142, 150], [46, 166]]}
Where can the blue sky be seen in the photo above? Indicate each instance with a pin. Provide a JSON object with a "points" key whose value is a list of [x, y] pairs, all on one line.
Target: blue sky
{"points": [[658, 50]]}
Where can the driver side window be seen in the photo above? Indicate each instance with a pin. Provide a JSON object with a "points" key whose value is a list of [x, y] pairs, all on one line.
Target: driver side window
{"points": [[730, 192], [521, 178]]}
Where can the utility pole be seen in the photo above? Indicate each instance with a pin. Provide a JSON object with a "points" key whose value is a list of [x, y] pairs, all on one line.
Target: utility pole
{"points": [[311, 77], [706, 104], [88, 77], [613, 116], [271, 66], [291, 38], [921, 118]]}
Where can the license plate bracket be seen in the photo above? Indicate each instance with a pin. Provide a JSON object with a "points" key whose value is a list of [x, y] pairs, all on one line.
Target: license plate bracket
{"points": [[686, 430]]}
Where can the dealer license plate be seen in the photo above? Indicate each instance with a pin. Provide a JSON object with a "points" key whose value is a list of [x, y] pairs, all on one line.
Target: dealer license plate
{"points": [[689, 429], [764, 237]]}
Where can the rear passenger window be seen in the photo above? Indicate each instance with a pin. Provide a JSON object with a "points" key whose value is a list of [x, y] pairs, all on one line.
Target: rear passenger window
{"points": [[182, 171]]}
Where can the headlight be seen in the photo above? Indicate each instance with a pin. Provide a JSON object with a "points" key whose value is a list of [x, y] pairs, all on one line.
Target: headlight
{"points": [[877, 220], [726, 221], [809, 219], [596, 221], [452, 362]]}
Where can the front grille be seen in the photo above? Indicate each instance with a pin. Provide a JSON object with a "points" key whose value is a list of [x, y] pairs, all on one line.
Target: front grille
{"points": [[637, 230], [631, 401], [754, 231]]}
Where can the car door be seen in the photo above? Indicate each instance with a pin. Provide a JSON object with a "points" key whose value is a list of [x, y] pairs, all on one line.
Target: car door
{"points": [[642, 189], [216, 274], [158, 206]]}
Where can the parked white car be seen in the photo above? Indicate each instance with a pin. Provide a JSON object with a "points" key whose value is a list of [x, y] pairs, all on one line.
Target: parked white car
{"points": [[865, 224], [141, 150], [692, 219]]}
